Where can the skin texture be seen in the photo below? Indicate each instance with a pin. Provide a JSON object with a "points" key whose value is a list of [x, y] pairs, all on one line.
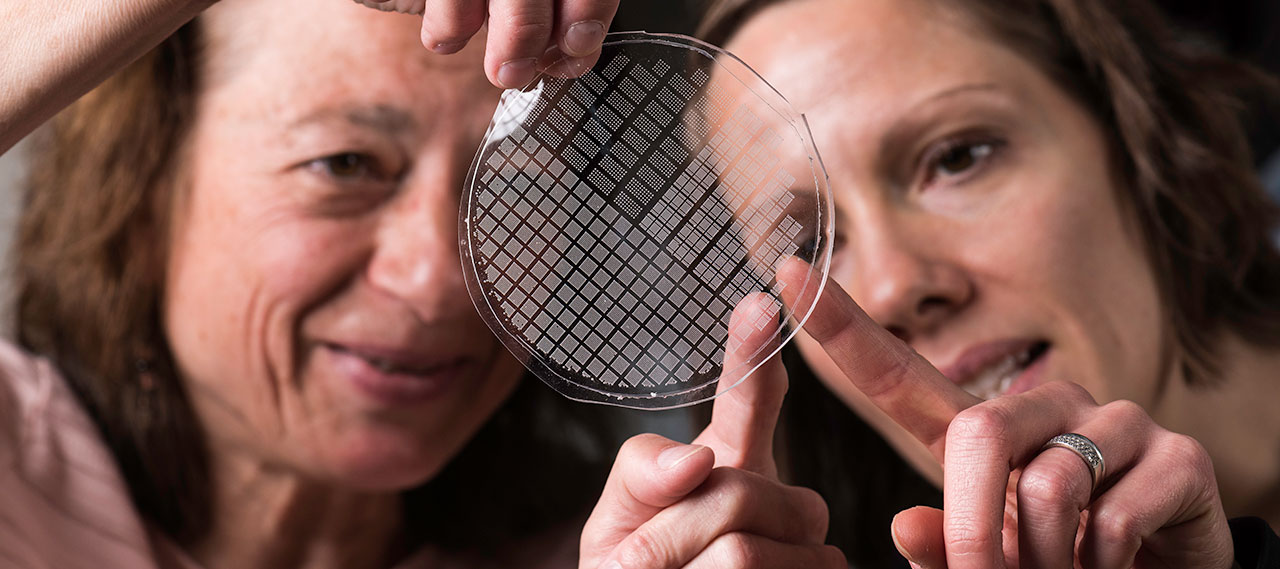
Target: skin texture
{"points": [[318, 230]]}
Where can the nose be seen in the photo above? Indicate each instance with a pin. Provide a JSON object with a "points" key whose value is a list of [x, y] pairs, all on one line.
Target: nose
{"points": [[416, 260], [906, 281]]}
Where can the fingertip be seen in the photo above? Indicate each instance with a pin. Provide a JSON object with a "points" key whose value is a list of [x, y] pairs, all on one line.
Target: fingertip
{"points": [[792, 268], [755, 315], [583, 38], [759, 305], [678, 470], [677, 455], [657, 471], [918, 535], [799, 285], [443, 48], [516, 73]]}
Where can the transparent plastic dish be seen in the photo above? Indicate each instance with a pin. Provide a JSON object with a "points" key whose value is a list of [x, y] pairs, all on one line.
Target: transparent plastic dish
{"points": [[613, 219]]}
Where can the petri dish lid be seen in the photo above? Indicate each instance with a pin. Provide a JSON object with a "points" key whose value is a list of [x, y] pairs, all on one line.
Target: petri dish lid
{"points": [[613, 218]]}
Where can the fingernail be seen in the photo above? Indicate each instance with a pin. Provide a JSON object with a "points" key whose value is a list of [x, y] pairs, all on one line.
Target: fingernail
{"points": [[446, 48], [583, 38], [516, 73], [897, 543], [675, 455], [612, 565]]}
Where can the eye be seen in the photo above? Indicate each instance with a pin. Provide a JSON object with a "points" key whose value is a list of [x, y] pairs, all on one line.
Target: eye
{"points": [[347, 165], [808, 250], [958, 159], [351, 182]]}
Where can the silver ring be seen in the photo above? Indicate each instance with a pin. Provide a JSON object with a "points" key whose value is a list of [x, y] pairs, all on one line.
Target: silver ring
{"points": [[1086, 450]]}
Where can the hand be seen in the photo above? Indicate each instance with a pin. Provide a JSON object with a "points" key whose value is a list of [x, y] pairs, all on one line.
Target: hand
{"points": [[1006, 503], [716, 503], [524, 35]]}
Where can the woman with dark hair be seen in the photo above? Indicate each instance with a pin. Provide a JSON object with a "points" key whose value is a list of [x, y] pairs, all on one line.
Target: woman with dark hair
{"points": [[1046, 204], [1048, 212]]}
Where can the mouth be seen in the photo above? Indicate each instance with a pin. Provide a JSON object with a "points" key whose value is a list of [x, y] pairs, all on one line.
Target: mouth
{"points": [[997, 376], [396, 377], [392, 365]]}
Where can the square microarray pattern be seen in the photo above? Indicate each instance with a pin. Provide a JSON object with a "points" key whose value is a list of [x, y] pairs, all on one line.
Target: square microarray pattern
{"points": [[615, 227]]}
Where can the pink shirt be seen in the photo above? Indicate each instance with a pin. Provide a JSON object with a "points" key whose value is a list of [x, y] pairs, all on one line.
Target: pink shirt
{"points": [[64, 504]]}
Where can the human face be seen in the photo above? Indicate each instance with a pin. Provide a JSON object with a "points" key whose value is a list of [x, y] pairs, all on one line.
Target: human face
{"points": [[977, 213], [315, 301]]}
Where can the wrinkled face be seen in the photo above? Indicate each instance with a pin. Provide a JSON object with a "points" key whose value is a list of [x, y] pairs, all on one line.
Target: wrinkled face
{"points": [[315, 299], [976, 211]]}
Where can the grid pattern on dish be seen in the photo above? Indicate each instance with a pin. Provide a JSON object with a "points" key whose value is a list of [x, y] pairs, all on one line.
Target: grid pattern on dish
{"points": [[615, 227]]}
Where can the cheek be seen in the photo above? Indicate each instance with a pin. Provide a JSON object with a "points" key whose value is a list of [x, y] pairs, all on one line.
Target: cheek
{"points": [[238, 280], [394, 454], [1077, 264]]}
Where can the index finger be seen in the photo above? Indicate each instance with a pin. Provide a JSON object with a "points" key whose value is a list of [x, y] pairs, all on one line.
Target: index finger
{"points": [[897, 379], [745, 411]]}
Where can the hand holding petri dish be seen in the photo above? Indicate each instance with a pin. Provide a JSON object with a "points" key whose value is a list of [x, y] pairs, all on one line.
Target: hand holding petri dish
{"points": [[614, 218]]}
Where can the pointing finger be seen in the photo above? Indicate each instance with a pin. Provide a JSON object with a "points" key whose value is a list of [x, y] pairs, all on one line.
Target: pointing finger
{"points": [[897, 379]]}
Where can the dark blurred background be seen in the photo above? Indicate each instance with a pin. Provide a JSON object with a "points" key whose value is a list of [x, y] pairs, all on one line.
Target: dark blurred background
{"points": [[1249, 29]]}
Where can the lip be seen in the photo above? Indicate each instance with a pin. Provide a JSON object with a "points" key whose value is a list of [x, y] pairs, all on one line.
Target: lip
{"points": [[407, 378], [965, 368]]}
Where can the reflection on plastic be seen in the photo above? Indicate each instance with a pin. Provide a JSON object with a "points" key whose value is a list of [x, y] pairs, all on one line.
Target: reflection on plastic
{"points": [[614, 220]]}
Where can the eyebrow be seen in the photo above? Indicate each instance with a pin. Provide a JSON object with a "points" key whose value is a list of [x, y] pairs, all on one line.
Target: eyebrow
{"points": [[385, 118], [896, 141], [956, 91]]}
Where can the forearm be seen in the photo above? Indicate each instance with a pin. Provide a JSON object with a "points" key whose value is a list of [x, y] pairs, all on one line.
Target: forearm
{"points": [[52, 54]]}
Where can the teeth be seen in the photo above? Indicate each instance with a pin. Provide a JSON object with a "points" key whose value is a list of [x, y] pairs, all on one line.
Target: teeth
{"points": [[1023, 357], [387, 366], [996, 379]]}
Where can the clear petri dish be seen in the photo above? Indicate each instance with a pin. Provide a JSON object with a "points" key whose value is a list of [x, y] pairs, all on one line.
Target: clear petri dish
{"points": [[613, 218]]}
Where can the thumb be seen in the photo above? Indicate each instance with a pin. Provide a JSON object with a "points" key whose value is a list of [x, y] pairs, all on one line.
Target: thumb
{"points": [[650, 474], [917, 533]]}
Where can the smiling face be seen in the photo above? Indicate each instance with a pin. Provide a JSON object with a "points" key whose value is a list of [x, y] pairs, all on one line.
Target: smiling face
{"points": [[977, 214], [315, 301]]}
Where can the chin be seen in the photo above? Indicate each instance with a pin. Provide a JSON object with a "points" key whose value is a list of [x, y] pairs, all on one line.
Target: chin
{"points": [[386, 462]]}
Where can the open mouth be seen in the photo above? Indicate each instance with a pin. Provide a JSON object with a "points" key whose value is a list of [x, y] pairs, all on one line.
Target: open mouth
{"points": [[996, 379]]}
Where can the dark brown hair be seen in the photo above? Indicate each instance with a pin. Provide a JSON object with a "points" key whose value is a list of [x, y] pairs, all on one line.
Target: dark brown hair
{"points": [[90, 281], [1173, 113]]}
